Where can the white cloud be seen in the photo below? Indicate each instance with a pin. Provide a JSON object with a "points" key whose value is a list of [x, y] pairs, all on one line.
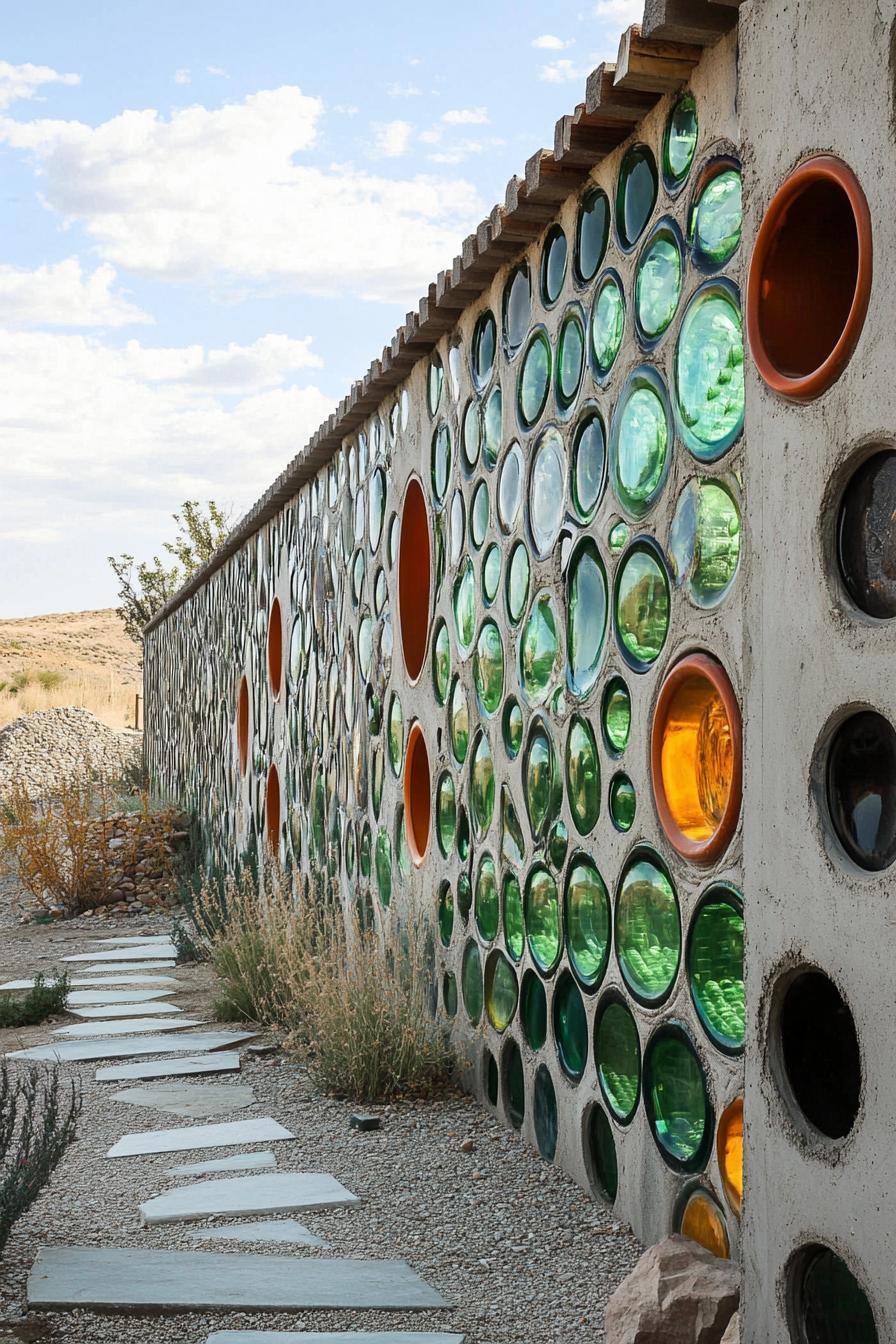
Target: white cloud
{"points": [[23, 81], [182, 76], [218, 71], [564, 71], [463, 149], [391, 139], [465, 116], [222, 194], [547, 42], [624, 11], [89, 429], [62, 295], [34, 536], [396, 90]]}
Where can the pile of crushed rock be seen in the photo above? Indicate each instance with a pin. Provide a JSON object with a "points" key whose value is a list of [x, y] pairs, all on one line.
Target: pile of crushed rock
{"points": [[38, 749]]}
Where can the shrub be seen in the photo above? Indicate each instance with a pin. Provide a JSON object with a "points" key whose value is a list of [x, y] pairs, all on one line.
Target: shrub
{"points": [[353, 1001], [58, 850], [42, 1001], [38, 1114], [48, 680]]}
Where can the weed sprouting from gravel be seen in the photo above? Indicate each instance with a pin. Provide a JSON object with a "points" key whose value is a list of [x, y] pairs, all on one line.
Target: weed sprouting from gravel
{"points": [[43, 1000], [38, 1115]]}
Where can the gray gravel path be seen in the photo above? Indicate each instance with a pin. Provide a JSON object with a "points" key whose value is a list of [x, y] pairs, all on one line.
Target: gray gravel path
{"points": [[526, 1256]]}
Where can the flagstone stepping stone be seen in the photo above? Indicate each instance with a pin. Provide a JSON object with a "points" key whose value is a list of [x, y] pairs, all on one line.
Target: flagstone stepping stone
{"points": [[83, 998], [145, 952], [195, 1102], [242, 1162], [96, 991], [282, 1230], [232, 1133], [78, 1051], [247, 1197], [343, 1337], [116, 967], [224, 1062], [132, 1024], [169, 1281], [106, 1012], [135, 940]]}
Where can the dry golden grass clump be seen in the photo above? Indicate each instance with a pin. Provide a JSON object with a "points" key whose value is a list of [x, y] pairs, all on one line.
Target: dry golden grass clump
{"points": [[353, 1001]]}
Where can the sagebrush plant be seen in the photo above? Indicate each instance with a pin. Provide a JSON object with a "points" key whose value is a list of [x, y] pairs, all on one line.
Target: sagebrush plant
{"points": [[44, 999], [353, 1001], [38, 1116]]}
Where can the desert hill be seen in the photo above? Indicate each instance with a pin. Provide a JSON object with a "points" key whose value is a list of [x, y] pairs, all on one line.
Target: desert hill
{"points": [[81, 658]]}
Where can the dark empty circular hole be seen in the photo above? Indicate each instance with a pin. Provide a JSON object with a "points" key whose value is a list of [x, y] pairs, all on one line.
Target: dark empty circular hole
{"points": [[861, 788], [414, 579], [820, 1050], [514, 1084], [866, 536], [242, 724], [829, 1304], [272, 809], [275, 646]]}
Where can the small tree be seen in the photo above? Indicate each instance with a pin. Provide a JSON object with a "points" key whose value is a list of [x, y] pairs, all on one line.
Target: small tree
{"points": [[144, 588]]}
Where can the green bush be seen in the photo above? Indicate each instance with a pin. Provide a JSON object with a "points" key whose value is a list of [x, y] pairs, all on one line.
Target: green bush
{"points": [[48, 680], [38, 1115], [42, 1001]]}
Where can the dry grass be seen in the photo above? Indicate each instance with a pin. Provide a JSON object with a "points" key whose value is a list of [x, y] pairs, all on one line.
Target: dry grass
{"points": [[355, 1004], [81, 658]]}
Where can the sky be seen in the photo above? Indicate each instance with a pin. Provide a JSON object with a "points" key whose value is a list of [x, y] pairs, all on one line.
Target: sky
{"points": [[214, 215]]}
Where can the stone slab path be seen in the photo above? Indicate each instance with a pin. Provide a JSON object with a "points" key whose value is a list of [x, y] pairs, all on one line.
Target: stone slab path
{"points": [[95, 998], [143, 952], [132, 1025], [106, 1012], [280, 1230], [231, 1134], [95, 984], [222, 1061], [191, 1101], [242, 1162], [118, 967], [245, 1196], [64, 1277], [78, 1051], [343, 1337]]}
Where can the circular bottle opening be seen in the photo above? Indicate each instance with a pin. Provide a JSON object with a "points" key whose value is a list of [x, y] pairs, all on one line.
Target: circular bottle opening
{"points": [[861, 789], [275, 647], [819, 1050], [827, 1304], [417, 795], [810, 279], [730, 1153], [700, 1218], [866, 535], [242, 724], [414, 579], [272, 810], [695, 758]]}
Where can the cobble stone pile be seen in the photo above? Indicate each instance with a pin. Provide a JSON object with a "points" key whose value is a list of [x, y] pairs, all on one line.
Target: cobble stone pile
{"points": [[36, 749]]}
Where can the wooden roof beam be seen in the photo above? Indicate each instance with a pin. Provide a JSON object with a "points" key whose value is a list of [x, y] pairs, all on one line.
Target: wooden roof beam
{"points": [[654, 66]]}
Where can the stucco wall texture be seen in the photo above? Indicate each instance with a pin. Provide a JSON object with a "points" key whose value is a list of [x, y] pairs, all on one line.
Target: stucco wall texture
{"points": [[407, 682]]}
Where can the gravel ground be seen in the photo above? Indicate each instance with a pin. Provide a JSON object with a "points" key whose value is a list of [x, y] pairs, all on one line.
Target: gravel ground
{"points": [[525, 1256]]}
